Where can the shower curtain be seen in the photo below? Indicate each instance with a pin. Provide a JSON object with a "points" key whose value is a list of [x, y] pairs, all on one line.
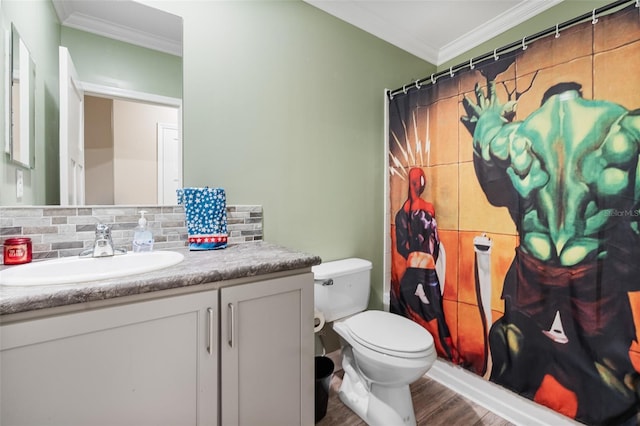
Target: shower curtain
{"points": [[515, 217]]}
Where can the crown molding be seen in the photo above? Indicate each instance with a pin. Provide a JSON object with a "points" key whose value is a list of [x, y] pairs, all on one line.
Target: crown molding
{"points": [[358, 14], [97, 26], [69, 17], [498, 25]]}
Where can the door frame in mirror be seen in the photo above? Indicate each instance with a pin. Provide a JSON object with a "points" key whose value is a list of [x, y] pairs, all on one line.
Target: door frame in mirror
{"points": [[131, 95], [109, 92]]}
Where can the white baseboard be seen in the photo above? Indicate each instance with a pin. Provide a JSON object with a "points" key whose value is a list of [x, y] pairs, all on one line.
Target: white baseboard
{"points": [[506, 404]]}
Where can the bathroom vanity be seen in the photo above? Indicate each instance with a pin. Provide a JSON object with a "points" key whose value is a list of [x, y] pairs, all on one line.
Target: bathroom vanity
{"points": [[223, 338]]}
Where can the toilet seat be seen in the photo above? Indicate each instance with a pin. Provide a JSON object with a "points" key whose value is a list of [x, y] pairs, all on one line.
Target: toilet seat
{"points": [[390, 334]]}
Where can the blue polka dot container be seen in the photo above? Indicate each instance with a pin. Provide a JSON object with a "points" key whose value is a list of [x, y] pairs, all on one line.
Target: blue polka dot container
{"points": [[206, 214]]}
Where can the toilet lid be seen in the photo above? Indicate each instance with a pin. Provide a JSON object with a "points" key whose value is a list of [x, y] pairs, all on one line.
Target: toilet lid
{"points": [[390, 333]]}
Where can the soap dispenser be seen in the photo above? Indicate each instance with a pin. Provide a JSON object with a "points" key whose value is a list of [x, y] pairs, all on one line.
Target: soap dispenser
{"points": [[142, 237]]}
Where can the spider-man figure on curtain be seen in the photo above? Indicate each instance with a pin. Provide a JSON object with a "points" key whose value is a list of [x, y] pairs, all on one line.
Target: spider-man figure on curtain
{"points": [[420, 295]]}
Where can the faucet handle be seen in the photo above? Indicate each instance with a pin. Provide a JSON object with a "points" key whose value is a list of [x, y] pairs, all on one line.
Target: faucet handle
{"points": [[102, 229], [103, 245]]}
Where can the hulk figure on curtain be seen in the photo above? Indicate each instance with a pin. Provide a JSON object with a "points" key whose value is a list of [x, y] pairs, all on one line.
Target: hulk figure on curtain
{"points": [[570, 176]]}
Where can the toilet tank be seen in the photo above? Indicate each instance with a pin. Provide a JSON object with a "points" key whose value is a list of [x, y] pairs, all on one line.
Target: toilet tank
{"points": [[341, 287]]}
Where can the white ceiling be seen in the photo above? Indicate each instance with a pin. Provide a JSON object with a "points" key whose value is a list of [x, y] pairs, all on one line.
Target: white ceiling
{"points": [[434, 30]]}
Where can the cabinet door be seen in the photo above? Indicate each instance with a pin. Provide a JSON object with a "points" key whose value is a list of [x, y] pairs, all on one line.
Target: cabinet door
{"points": [[266, 352], [147, 363]]}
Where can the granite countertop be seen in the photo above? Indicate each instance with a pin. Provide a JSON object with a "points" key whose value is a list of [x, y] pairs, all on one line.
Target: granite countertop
{"points": [[198, 267]]}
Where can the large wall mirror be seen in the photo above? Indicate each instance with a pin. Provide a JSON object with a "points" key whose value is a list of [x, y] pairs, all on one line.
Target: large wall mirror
{"points": [[22, 102], [125, 127], [131, 148]]}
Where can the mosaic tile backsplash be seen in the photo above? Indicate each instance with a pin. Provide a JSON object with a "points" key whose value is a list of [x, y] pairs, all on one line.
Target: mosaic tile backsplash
{"points": [[66, 231]]}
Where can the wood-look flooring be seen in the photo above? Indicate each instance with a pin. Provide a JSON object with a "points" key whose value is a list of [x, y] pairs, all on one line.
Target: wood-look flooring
{"points": [[433, 403]]}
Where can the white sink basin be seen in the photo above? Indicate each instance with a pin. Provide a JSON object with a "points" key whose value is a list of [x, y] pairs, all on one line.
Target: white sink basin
{"points": [[76, 269]]}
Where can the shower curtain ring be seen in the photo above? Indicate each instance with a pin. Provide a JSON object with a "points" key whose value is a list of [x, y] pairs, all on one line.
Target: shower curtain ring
{"points": [[471, 66], [418, 84], [433, 80], [404, 89], [558, 31], [524, 44], [495, 54], [451, 71], [594, 19]]}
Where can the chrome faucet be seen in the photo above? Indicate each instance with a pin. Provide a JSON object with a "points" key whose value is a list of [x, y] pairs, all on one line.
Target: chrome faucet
{"points": [[103, 244]]}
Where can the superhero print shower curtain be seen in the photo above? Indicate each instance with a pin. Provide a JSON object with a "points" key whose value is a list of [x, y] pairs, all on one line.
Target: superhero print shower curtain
{"points": [[515, 217]]}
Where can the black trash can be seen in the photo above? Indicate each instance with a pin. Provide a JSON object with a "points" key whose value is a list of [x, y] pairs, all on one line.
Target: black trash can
{"points": [[324, 372]]}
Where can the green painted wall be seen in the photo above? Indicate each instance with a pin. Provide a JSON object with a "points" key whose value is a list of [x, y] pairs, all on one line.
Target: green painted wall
{"points": [[283, 107], [39, 28]]}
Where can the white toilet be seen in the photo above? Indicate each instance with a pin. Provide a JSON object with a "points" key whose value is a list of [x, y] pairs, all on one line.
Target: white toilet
{"points": [[382, 353]]}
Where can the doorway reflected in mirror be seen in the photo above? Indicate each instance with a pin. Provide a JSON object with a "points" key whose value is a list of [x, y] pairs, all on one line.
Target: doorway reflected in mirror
{"points": [[132, 152]]}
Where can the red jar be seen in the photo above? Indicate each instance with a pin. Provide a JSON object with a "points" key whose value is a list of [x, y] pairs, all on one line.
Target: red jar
{"points": [[17, 251]]}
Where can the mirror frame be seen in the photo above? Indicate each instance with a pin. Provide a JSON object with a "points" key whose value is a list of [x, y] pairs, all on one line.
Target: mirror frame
{"points": [[21, 153]]}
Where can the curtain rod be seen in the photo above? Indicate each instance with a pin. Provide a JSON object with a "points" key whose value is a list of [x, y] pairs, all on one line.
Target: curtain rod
{"points": [[510, 47]]}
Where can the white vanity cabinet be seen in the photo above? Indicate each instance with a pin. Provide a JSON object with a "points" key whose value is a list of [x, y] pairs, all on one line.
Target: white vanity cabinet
{"points": [[266, 353], [144, 363], [237, 353]]}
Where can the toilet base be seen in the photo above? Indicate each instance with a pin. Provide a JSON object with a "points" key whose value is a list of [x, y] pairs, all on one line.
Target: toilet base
{"points": [[386, 397], [377, 405]]}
